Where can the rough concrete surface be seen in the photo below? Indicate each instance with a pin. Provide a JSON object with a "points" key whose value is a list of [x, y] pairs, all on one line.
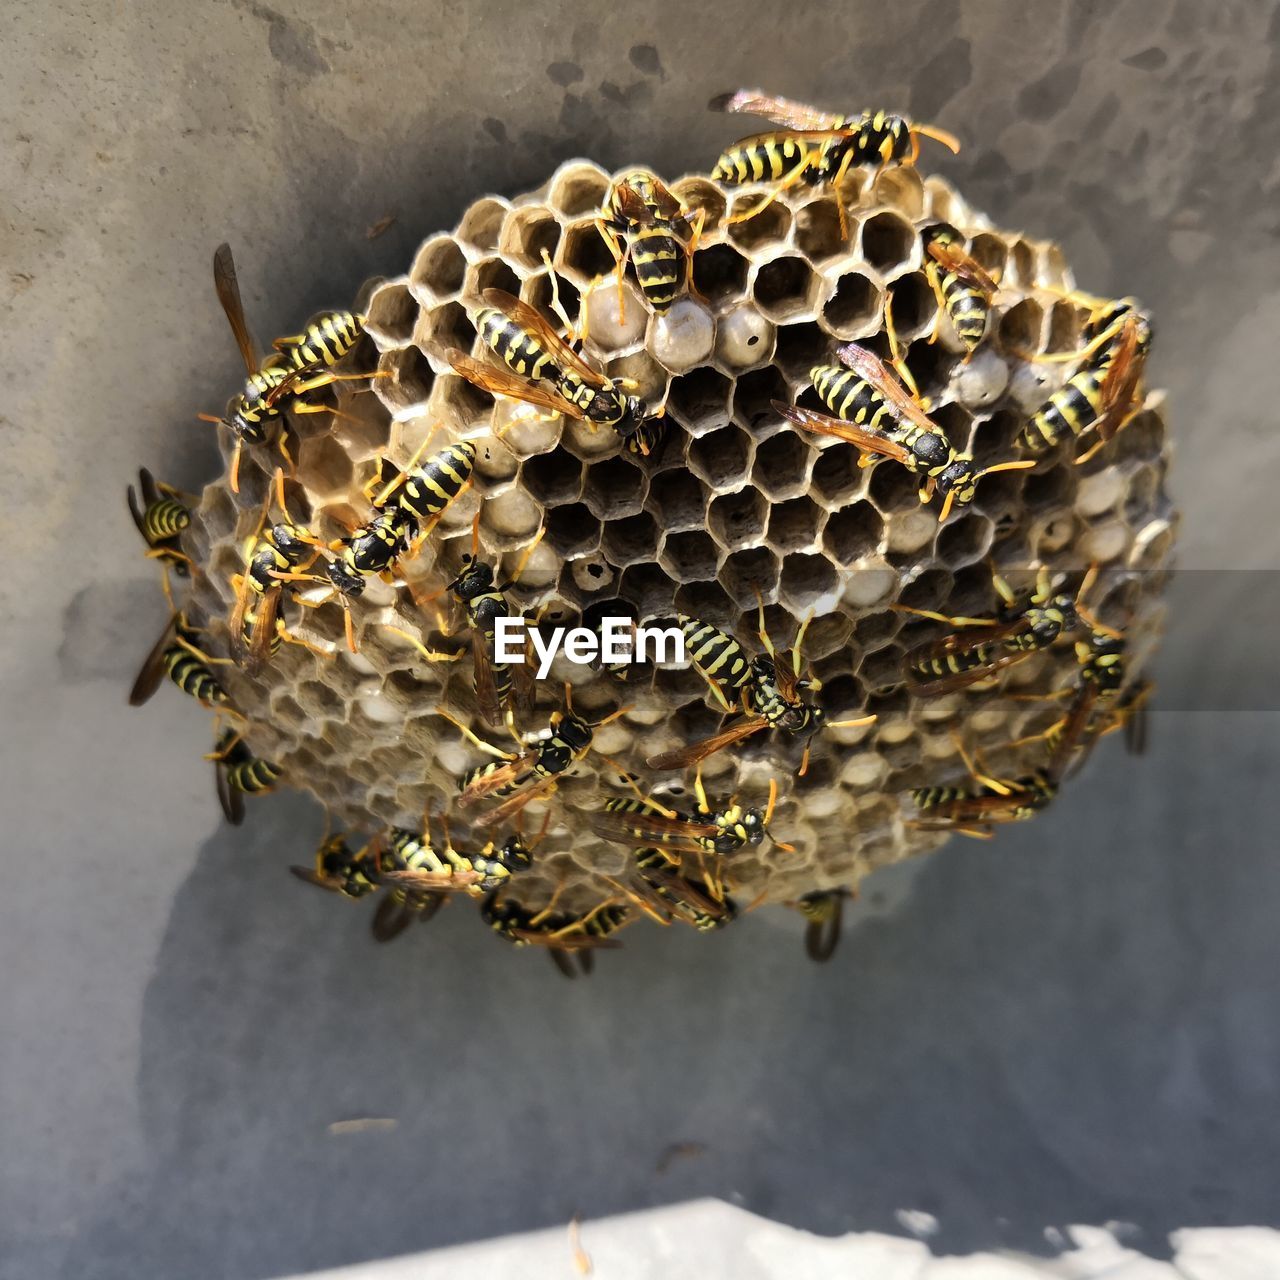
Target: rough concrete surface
{"points": [[1075, 1024]]}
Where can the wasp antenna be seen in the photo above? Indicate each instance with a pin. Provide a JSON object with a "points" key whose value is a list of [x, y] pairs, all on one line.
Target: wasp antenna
{"points": [[948, 140]]}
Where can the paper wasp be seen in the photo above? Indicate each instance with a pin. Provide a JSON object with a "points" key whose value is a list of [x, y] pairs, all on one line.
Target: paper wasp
{"points": [[817, 147], [405, 511], [566, 937], [520, 777], [177, 655], [875, 414], [288, 374], [963, 288], [409, 860], [160, 517], [499, 686], [544, 371], [644, 221], [767, 693], [823, 910], [273, 560], [339, 869], [1024, 625], [238, 772], [1103, 393]]}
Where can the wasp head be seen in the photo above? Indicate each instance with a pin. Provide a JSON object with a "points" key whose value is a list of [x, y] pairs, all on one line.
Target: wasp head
{"points": [[349, 583], [513, 855], [475, 579]]}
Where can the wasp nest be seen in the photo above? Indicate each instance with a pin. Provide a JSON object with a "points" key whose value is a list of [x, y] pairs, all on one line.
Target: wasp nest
{"points": [[734, 506]]}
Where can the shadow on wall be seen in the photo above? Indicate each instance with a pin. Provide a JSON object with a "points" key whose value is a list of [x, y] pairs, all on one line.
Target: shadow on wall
{"points": [[1072, 1025]]}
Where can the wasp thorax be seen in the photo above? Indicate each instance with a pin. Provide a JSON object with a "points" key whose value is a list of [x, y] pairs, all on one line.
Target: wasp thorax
{"points": [[350, 584]]}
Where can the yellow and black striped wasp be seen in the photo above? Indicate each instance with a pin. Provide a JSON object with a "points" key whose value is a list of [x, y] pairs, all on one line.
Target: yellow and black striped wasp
{"points": [[340, 869], [273, 561], [544, 371], [645, 222], [817, 147], [567, 938], [500, 687], [299, 364], [1103, 394], [238, 772], [875, 413], [405, 512], [769, 694], [177, 655], [410, 860], [1025, 624], [161, 517], [823, 910], [519, 777], [963, 287]]}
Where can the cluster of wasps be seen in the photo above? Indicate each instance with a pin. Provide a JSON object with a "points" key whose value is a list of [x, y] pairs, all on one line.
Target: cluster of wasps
{"points": [[679, 855]]}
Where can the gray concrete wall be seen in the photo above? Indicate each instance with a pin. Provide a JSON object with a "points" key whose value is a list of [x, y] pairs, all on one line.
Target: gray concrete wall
{"points": [[1077, 1023]]}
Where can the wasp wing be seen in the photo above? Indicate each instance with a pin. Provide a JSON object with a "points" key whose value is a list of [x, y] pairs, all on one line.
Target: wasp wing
{"points": [[872, 369], [227, 287], [699, 751], [794, 116], [500, 382], [868, 441], [953, 258], [230, 798], [152, 671]]}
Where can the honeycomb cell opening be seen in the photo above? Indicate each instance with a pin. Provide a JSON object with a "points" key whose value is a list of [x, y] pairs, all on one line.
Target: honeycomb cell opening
{"points": [[392, 311], [786, 288], [528, 234], [412, 378], [690, 556], [854, 308], [888, 242], [440, 267], [722, 458], [585, 252], [853, 533], [481, 225], [752, 400], [770, 226], [781, 467], [737, 520], [720, 273]]}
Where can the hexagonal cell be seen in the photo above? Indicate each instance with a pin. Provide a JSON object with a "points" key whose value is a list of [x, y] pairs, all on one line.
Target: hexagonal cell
{"points": [[612, 327], [808, 584], [572, 530], [793, 526], [837, 477], [770, 226], [391, 315], [1048, 488], [553, 479], [889, 242], [648, 588], [788, 287], [678, 502], [800, 347], [482, 223], [701, 194], [457, 399], [744, 338], [781, 468], [438, 270], [721, 458], [630, 541], [689, 557], [853, 310], [852, 533], [443, 327], [964, 539], [615, 488], [327, 465], [528, 233], [748, 573], [584, 252], [411, 379], [578, 189], [683, 336], [892, 487], [914, 306], [1020, 270], [752, 400], [700, 401], [490, 273], [1020, 327], [720, 273], [709, 602], [737, 520], [818, 233]]}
